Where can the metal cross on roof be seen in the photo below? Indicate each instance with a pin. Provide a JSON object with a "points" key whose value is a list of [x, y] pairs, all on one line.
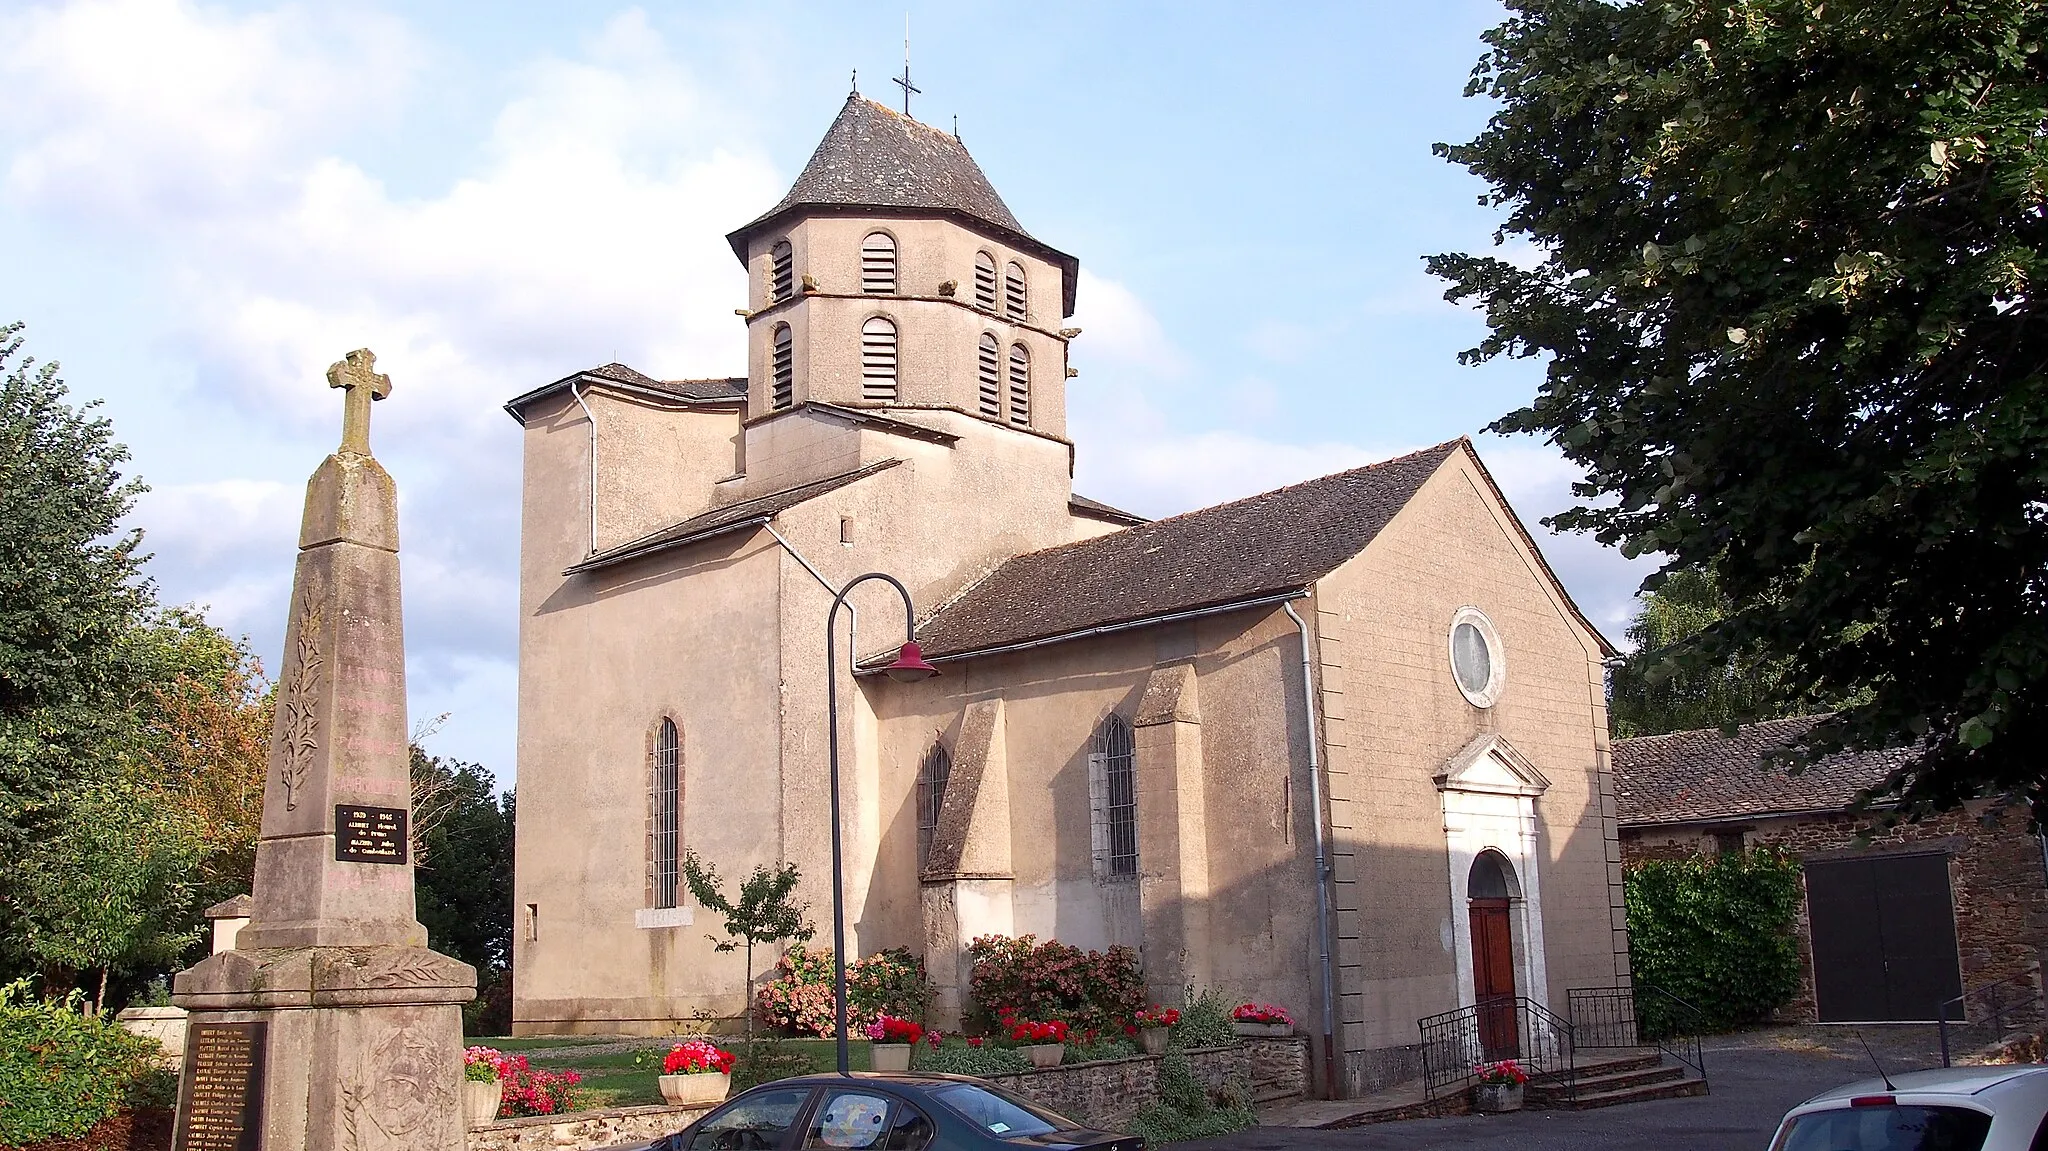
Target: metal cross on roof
{"points": [[903, 81]]}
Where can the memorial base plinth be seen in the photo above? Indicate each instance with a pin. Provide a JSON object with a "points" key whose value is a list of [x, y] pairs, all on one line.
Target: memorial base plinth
{"points": [[361, 1048]]}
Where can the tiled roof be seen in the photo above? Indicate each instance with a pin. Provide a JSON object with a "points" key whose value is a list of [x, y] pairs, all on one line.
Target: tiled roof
{"points": [[1705, 777], [1081, 505], [1273, 542], [721, 520], [720, 390]]}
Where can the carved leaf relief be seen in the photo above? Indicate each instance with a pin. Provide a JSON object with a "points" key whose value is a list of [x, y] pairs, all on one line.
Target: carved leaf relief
{"points": [[301, 706]]}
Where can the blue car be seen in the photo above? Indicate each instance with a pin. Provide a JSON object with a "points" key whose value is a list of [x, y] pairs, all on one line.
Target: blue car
{"points": [[887, 1112]]}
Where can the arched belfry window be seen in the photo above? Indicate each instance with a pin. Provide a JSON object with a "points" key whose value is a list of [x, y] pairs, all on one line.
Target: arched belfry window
{"points": [[878, 263], [1020, 385], [781, 272], [667, 812], [1015, 305], [991, 369], [1113, 798], [878, 359], [782, 367], [932, 774], [985, 281]]}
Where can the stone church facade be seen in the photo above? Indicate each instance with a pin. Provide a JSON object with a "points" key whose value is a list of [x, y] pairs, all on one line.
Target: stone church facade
{"points": [[1143, 732]]}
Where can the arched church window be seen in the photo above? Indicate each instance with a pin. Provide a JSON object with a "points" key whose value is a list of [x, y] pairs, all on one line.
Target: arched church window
{"points": [[667, 788], [781, 272], [991, 376], [1015, 305], [985, 281], [1020, 385], [1113, 798], [878, 263], [783, 367], [931, 797], [878, 359]]}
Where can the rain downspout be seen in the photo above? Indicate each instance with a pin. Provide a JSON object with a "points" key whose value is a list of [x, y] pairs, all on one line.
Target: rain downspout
{"points": [[590, 419], [1315, 791]]}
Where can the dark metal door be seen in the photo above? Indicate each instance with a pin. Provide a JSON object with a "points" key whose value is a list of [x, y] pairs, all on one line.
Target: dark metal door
{"points": [[1493, 978], [1884, 938]]}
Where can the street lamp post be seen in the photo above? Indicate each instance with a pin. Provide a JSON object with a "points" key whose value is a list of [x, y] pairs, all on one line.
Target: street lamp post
{"points": [[908, 668]]}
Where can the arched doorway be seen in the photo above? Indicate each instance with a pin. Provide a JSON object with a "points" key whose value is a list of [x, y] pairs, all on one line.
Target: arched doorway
{"points": [[1493, 955]]}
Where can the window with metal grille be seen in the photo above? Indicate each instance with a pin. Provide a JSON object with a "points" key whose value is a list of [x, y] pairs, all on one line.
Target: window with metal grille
{"points": [[985, 281], [931, 797], [878, 359], [878, 263], [783, 367], [991, 376], [1113, 798], [781, 272], [668, 813], [1020, 385], [1015, 305]]}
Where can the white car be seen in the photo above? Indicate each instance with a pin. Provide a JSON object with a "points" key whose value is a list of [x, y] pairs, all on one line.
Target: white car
{"points": [[1946, 1109]]}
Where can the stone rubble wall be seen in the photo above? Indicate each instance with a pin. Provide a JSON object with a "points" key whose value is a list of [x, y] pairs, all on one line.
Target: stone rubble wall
{"points": [[579, 1130]]}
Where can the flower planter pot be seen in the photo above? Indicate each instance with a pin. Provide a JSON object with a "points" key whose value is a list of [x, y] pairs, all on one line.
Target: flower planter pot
{"points": [[1153, 1039], [480, 1101], [694, 1090], [1263, 1030], [1045, 1054], [1493, 1098], [889, 1056]]}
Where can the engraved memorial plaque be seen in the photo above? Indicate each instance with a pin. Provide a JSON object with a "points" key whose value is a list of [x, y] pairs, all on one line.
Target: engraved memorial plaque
{"points": [[364, 834], [220, 1101]]}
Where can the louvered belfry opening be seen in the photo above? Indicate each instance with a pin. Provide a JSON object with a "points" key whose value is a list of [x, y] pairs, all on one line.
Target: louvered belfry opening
{"points": [[878, 263], [1113, 743], [991, 376], [668, 813], [985, 281], [931, 797], [783, 368], [878, 359], [1015, 304], [781, 271], [1020, 385]]}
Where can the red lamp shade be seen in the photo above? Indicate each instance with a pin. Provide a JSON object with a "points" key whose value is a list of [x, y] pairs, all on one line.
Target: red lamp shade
{"points": [[910, 665]]}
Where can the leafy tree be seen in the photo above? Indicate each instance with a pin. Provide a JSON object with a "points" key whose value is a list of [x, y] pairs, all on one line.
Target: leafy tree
{"points": [[1716, 931], [1785, 290], [762, 914], [462, 880], [1651, 693]]}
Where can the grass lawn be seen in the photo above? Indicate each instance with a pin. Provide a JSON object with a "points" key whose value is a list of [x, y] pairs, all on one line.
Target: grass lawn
{"points": [[508, 1044], [627, 1078]]}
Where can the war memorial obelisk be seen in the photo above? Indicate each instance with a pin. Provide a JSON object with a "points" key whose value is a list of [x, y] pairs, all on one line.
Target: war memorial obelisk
{"points": [[331, 1026]]}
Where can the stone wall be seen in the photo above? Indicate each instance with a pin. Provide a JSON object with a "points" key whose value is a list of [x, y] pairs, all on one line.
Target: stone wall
{"points": [[583, 1129], [1108, 1092], [1996, 876]]}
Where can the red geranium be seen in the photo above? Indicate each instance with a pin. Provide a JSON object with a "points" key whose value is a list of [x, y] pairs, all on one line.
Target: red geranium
{"points": [[1158, 1017], [1026, 1031], [697, 1057], [890, 1029], [1261, 1013]]}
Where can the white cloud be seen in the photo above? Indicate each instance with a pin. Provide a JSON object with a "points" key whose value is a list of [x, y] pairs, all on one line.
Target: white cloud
{"points": [[1117, 326]]}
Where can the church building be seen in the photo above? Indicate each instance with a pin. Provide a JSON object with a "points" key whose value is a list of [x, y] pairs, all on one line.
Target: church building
{"points": [[1340, 747]]}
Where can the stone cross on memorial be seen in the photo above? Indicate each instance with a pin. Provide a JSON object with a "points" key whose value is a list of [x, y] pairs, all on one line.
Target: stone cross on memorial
{"points": [[330, 1025]]}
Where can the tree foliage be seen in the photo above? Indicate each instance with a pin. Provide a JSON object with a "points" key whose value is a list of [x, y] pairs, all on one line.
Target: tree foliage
{"points": [[1785, 290], [1652, 692], [765, 911], [462, 883], [1718, 933]]}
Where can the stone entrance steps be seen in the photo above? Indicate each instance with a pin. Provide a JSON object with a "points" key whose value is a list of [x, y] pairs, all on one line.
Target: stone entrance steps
{"points": [[1607, 1082]]}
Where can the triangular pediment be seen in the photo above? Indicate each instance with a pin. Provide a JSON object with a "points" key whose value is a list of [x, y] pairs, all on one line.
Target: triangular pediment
{"points": [[1491, 765]]}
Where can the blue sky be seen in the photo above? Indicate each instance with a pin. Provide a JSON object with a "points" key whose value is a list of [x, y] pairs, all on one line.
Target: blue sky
{"points": [[204, 205]]}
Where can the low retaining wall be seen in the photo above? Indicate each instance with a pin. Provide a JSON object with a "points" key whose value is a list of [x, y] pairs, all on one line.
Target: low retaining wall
{"points": [[580, 1130]]}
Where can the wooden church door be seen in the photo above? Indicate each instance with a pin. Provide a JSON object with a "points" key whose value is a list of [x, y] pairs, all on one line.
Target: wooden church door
{"points": [[1493, 961]]}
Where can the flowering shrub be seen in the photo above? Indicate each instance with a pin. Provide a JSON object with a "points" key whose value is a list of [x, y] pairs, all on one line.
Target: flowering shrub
{"points": [[533, 1090], [697, 1057], [480, 1064], [890, 1029], [1506, 1073], [1091, 990], [1156, 1016], [1261, 1013], [799, 998]]}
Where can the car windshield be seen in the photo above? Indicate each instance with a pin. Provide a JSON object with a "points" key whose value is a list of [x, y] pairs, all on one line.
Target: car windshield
{"points": [[998, 1112], [1887, 1129]]}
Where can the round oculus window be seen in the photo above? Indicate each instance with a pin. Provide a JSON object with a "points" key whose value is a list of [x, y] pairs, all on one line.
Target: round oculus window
{"points": [[1476, 663]]}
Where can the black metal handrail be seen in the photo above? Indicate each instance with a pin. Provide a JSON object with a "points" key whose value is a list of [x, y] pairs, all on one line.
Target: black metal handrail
{"points": [[1454, 1043], [1645, 1015], [2014, 999]]}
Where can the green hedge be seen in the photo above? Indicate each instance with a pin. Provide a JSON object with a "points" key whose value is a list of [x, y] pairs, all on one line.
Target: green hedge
{"points": [[61, 1070], [1717, 932]]}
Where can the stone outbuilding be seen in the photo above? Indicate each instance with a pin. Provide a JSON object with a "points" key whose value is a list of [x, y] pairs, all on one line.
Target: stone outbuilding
{"points": [[1898, 917], [1340, 747]]}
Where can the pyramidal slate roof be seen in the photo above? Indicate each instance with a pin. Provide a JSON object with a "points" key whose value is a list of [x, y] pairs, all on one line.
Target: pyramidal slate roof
{"points": [[1706, 777], [878, 159], [1267, 544]]}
